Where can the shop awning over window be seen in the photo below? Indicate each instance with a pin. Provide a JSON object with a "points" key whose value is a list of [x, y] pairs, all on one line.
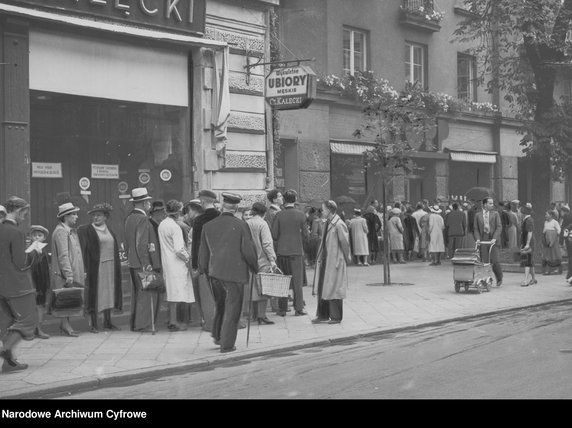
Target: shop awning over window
{"points": [[473, 156], [346, 148]]}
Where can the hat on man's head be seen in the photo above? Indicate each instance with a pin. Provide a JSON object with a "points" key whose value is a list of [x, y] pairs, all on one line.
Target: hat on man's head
{"points": [[195, 203], [526, 209], [395, 211], [3, 210], [357, 211], [157, 206], [101, 208], [139, 194], [515, 201], [66, 209], [37, 227], [231, 198], [207, 194], [435, 209]]}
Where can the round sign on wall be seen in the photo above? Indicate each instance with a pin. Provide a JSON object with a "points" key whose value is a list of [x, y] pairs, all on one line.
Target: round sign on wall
{"points": [[144, 178], [84, 183], [122, 186], [165, 175]]}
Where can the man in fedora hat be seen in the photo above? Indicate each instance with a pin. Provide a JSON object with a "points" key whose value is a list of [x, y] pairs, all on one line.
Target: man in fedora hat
{"points": [[488, 227], [138, 230], [227, 253], [201, 283], [17, 296]]}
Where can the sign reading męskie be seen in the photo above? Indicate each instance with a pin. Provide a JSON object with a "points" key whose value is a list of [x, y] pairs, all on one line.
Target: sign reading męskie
{"points": [[291, 88]]}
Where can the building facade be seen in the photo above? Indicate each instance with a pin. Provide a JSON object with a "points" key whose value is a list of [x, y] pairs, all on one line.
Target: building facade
{"points": [[101, 96], [409, 40]]}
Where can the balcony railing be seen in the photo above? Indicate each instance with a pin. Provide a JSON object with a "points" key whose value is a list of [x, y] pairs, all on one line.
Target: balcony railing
{"points": [[420, 14]]}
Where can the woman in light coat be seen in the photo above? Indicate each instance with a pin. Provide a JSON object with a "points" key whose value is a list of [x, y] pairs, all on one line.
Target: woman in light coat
{"points": [[330, 276], [358, 232], [262, 238], [395, 232], [436, 240], [174, 260], [67, 260], [551, 254]]}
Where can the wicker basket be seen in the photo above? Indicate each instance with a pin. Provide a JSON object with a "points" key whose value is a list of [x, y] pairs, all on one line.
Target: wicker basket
{"points": [[274, 284]]}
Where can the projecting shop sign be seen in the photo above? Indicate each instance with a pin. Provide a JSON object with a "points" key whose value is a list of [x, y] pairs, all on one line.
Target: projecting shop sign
{"points": [[291, 88]]}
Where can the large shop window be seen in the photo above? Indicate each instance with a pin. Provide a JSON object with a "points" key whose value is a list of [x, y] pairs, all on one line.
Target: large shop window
{"points": [[348, 177]]}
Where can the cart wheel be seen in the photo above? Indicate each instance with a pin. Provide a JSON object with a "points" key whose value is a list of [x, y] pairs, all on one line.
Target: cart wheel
{"points": [[457, 287]]}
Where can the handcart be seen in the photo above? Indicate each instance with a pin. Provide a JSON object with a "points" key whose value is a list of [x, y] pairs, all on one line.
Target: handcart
{"points": [[469, 271]]}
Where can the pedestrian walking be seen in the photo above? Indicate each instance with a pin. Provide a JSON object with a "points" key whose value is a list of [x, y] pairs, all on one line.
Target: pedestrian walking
{"points": [[227, 254], [67, 259], [40, 273], [175, 259], [139, 234], [289, 231], [551, 254], [395, 233], [488, 227], [201, 283], [358, 232], [436, 225], [262, 239], [18, 316], [456, 229], [100, 251], [330, 277], [528, 244]]}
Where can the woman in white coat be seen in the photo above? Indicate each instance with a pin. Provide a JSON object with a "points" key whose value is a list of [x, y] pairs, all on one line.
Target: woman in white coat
{"points": [[358, 232], [436, 240], [174, 260], [330, 276]]}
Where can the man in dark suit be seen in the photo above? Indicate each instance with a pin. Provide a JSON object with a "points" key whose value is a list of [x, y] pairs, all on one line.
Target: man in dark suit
{"points": [[227, 254], [18, 314], [456, 227], [289, 231], [138, 234], [488, 227], [201, 284]]}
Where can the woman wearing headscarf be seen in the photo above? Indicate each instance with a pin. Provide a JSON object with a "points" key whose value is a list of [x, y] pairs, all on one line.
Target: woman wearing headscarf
{"points": [[395, 233], [175, 259], [100, 251], [330, 276], [436, 240], [552, 257], [67, 260]]}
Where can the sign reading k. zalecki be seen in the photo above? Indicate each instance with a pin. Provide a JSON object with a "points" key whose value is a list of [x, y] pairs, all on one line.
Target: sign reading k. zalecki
{"points": [[291, 87]]}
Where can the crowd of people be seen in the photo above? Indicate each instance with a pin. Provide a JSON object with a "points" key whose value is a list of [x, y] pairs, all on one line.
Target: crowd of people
{"points": [[202, 257]]}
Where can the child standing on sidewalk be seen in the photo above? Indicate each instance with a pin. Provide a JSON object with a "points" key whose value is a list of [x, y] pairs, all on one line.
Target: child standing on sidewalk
{"points": [[40, 273]]}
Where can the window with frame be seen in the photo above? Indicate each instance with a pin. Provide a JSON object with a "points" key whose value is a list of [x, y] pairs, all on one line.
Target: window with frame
{"points": [[466, 77], [355, 56], [415, 64]]}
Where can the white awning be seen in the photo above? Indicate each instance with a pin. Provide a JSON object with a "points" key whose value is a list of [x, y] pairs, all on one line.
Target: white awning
{"points": [[350, 148], [111, 27], [473, 156]]}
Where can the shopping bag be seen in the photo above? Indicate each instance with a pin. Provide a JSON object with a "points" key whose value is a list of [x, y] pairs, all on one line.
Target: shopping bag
{"points": [[152, 281]]}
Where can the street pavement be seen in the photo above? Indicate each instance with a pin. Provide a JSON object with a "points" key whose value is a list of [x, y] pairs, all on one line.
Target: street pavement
{"points": [[419, 295]]}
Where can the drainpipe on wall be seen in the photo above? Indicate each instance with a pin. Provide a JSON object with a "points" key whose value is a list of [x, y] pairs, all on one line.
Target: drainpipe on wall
{"points": [[498, 168]]}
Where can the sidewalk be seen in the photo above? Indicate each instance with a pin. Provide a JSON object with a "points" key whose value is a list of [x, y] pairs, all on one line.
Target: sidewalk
{"points": [[425, 295]]}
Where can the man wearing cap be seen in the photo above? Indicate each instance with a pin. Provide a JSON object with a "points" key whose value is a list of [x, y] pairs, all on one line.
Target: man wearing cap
{"points": [[488, 227], [289, 231], [227, 253], [201, 285], [138, 229], [17, 295]]}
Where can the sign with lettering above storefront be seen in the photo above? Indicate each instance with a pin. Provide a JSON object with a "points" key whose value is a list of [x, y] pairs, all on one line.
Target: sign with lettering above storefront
{"points": [[175, 15], [109, 172], [46, 170], [291, 88]]}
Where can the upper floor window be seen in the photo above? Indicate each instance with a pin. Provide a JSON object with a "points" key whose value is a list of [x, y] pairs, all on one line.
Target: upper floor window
{"points": [[415, 64], [466, 77], [354, 51]]}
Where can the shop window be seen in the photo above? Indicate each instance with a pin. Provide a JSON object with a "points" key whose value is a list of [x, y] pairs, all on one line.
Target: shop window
{"points": [[348, 177], [466, 77], [117, 145], [355, 50], [416, 64]]}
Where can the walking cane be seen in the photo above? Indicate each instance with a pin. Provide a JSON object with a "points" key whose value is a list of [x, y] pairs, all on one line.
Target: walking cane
{"points": [[249, 308]]}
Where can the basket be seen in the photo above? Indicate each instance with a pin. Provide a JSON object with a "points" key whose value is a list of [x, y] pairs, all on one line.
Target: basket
{"points": [[274, 284]]}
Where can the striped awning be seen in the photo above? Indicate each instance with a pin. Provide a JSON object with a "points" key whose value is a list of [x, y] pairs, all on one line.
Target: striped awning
{"points": [[473, 156], [347, 148]]}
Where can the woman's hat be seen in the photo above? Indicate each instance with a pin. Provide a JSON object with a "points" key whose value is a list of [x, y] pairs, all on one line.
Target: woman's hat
{"points": [[157, 206], [37, 227], [66, 209], [396, 211], [139, 194], [101, 208], [435, 209]]}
